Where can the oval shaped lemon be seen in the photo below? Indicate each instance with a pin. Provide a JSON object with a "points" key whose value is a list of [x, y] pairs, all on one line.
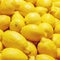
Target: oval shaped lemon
{"points": [[4, 22], [48, 18], [17, 22], [44, 3], [33, 18], [48, 29], [41, 10], [31, 49], [13, 54], [46, 46], [32, 32], [14, 39]]}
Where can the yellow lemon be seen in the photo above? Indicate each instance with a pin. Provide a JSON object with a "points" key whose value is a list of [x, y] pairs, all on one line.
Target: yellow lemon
{"points": [[32, 18], [32, 58], [26, 8], [17, 22], [41, 10], [56, 39], [32, 1], [32, 32], [31, 49], [46, 46], [48, 18], [48, 29], [13, 54], [55, 11], [7, 7], [44, 3], [17, 3], [17, 15], [1, 32], [14, 39], [44, 57], [4, 22], [1, 46]]}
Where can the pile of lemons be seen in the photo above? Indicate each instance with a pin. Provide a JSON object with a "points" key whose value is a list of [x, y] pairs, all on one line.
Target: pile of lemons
{"points": [[29, 29]]}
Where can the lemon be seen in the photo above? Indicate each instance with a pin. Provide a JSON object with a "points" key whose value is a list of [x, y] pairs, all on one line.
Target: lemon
{"points": [[4, 22], [17, 22], [48, 18], [7, 7], [46, 46], [44, 3], [26, 8], [17, 15], [32, 1], [32, 32], [31, 49], [44, 57], [57, 27], [56, 39], [17, 3], [1, 46], [14, 39], [32, 18], [41, 10], [13, 54], [1, 32], [55, 11], [48, 29], [32, 58]]}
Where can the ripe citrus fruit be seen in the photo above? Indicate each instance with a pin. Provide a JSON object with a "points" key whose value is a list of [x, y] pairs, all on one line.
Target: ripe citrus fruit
{"points": [[32, 18], [31, 49], [44, 3], [17, 22], [4, 22], [48, 18], [48, 29], [13, 54], [14, 39], [32, 32], [55, 11], [46, 46], [26, 8], [41, 10]]}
